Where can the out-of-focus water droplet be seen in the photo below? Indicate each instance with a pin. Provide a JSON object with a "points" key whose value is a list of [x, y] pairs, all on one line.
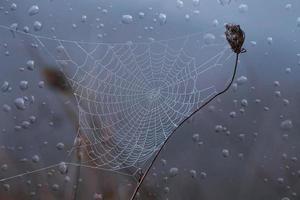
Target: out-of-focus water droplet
{"points": [[60, 146], [127, 19], [218, 128], [83, 18], [215, 23], [276, 83], [225, 153], [193, 173], [224, 2], [20, 103], [97, 196], [243, 8], [187, 17], [33, 10], [63, 168], [141, 15], [6, 187], [35, 159], [30, 65], [162, 18], [232, 114], [164, 162], [288, 6], [25, 124], [26, 29], [5, 86], [209, 38], [298, 22], [13, 7], [244, 103], [37, 25], [179, 3], [285, 198], [270, 40], [166, 190], [242, 80], [6, 108], [196, 137], [55, 187], [4, 167], [196, 2], [173, 171], [286, 125], [41, 84], [203, 175], [23, 85]]}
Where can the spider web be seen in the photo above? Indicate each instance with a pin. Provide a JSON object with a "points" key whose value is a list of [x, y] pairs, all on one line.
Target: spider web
{"points": [[131, 96]]}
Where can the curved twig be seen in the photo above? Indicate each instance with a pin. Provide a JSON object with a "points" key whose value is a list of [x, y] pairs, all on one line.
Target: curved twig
{"points": [[168, 138]]}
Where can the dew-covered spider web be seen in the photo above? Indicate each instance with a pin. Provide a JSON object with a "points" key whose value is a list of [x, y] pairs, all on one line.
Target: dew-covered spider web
{"points": [[131, 96]]}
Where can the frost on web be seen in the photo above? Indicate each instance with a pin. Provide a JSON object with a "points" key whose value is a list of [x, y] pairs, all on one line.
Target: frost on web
{"points": [[131, 96]]}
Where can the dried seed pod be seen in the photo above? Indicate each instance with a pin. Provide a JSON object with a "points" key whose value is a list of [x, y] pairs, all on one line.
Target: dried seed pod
{"points": [[235, 37]]}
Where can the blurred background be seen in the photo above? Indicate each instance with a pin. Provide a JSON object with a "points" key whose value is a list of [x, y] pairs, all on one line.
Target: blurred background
{"points": [[243, 145]]}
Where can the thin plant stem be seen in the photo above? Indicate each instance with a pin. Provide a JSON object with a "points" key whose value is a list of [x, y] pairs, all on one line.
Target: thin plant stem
{"points": [[142, 179]]}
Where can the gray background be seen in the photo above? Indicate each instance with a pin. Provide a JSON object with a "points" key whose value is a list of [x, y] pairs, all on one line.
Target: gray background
{"points": [[262, 165]]}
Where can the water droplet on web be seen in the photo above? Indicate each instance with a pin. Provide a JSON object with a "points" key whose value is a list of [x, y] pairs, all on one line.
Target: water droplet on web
{"points": [[127, 19], [33, 10]]}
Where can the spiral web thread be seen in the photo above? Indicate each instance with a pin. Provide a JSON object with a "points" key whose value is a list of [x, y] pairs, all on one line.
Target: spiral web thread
{"points": [[131, 96]]}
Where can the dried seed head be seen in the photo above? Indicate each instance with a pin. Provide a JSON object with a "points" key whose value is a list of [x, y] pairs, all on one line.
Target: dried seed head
{"points": [[235, 37]]}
